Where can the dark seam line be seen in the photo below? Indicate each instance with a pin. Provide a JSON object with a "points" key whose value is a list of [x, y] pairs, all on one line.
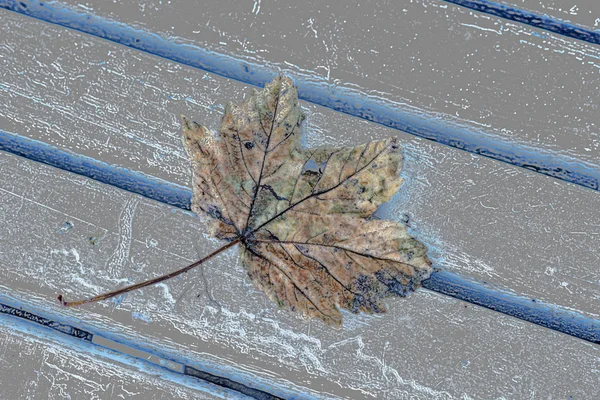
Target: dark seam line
{"points": [[88, 337], [48, 323], [319, 91], [531, 310], [536, 20], [228, 383]]}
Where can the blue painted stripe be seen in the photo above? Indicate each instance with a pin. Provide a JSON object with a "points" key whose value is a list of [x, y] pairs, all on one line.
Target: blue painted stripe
{"points": [[529, 18], [136, 182], [525, 308], [317, 90], [537, 312]]}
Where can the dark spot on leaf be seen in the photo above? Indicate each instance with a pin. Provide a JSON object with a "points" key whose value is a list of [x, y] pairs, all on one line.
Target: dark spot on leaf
{"points": [[302, 249], [249, 145], [393, 285], [364, 284], [369, 302]]}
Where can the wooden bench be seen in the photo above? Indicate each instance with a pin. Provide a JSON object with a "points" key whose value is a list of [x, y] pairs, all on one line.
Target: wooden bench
{"points": [[522, 241]]}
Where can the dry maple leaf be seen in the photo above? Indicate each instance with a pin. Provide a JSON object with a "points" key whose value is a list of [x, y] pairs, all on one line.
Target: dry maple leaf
{"points": [[305, 235], [303, 217]]}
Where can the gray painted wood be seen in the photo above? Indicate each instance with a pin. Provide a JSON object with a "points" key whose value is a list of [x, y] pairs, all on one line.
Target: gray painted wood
{"points": [[464, 67], [427, 346]]}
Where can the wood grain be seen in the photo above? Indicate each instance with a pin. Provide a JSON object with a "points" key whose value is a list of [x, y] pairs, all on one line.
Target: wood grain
{"points": [[510, 80]]}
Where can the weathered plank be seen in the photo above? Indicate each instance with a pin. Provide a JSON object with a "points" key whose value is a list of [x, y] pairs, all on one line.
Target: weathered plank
{"points": [[37, 364], [62, 232], [469, 69], [481, 218]]}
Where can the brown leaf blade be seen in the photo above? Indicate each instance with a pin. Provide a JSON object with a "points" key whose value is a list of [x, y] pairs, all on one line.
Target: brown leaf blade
{"points": [[300, 214]]}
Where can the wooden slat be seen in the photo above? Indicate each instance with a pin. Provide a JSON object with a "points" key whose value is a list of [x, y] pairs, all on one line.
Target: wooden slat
{"points": [[427, 346], [36, 364], [479, 217], [510, 80]]}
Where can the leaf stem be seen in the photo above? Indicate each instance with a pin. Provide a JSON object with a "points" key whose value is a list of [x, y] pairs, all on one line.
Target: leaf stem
{"points": [[149, 282]]}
